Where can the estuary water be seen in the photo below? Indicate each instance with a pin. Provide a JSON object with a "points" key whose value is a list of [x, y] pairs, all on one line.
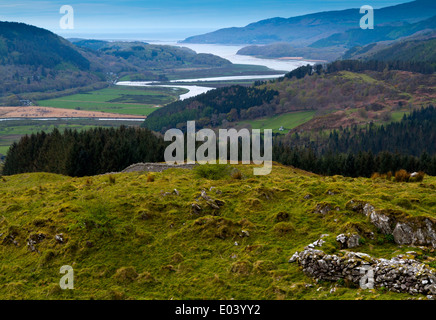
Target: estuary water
{"points": [[226, 52], [229, 52]]}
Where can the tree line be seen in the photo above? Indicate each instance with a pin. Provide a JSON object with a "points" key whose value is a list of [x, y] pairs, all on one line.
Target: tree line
{"points": [[209, 108], [362, 164], [425, 67], [409, 144], [84, 153]]}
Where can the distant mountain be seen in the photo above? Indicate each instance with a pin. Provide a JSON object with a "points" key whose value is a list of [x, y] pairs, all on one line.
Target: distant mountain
{"points": [[360, 37], [306, 29]]}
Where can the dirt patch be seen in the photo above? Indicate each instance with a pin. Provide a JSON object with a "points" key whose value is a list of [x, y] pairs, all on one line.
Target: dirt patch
{"points": [[47, 112]]}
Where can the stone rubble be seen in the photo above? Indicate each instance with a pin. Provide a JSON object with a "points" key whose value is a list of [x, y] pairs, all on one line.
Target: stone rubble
{"points": [[399, 274]]}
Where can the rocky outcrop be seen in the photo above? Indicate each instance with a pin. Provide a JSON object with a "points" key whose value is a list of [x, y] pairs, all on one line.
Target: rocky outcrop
{"points": [[406, 229], [399, 274], [348, 241]]}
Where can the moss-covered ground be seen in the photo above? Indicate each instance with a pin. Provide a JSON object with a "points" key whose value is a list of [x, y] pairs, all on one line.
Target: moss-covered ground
{"points": [[132, 236]]}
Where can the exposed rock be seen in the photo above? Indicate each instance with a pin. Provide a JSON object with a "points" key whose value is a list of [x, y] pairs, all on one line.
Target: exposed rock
{"points": [[245, 233], [196, 208], [317, 243], [322, 208], [59, 238], [174, 192], [348, 240], [406, 229], [213, 203], [419, 233], [204, 195], [10, 239], [33, 240]]}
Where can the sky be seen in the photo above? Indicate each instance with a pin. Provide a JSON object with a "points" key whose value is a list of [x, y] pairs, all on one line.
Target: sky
{"points": [[159, 19]]}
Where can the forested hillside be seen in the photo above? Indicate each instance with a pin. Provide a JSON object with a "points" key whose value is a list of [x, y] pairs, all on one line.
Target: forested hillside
{"points": [[89, 152], [149, 56], [34, 59], [342, 92], [409, 50], [211, 108], [361, 151]]}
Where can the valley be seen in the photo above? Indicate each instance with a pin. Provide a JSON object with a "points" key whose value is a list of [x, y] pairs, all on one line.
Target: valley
{"points": [[341, 118]]}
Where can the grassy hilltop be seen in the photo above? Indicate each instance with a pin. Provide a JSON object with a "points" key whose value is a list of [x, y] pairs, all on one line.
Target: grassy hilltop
{"points": [[133, 236]]}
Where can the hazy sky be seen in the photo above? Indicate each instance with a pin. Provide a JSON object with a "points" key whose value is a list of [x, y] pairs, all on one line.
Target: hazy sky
{"points": [[183, 17]]}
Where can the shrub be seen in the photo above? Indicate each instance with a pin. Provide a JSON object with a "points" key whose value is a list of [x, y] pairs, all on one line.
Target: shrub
{"points": [[402, 176], [212, 171], [418, 177], [389, 176], [111, 179], [389, 238], [375, 175], [237, 175], [150, 177]]}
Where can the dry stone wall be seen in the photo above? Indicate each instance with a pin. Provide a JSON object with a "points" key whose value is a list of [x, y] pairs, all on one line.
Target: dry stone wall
{"points": [[399, 274]]}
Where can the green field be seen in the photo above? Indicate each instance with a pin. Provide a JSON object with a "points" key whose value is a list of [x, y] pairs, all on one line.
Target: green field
{"points": [[398, 115], [12, 131], [287, 120], [123, 100]]}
